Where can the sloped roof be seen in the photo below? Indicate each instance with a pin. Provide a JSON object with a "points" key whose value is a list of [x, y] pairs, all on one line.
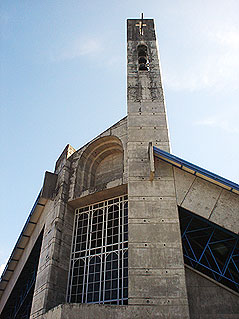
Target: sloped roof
{"points": [[196, 170]]}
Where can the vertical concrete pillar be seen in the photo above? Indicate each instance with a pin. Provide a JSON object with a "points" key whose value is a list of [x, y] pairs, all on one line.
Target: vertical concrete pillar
{"points": [[156, 268], [52, 275]]}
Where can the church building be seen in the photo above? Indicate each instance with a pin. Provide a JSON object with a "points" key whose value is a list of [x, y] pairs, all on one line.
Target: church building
{"points": [[124, 229]]}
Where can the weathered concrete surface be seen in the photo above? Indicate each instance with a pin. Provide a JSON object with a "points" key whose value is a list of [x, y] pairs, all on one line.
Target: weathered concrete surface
{"points": [[208, 200], [92, 311], [156, 268], [52, 275], [61, 161], [110, 166], [100, 164], [49, 185], [201, 197], [183, 183], [117, 157], [97, 166], [209, 300], [226, 211], [51, 282]]}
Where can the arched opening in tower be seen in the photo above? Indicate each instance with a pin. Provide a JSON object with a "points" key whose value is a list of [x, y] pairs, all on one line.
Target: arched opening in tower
{"points": [[143, 57]]}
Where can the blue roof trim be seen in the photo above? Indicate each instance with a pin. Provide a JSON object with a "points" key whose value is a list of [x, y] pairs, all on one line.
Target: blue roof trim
{"points": [[195, 168]]}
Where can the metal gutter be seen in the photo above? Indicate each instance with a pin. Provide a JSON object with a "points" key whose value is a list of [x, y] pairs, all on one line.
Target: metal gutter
{"points": [[196, 170]]}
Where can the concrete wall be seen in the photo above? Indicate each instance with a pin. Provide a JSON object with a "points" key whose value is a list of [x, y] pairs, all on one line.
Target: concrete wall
{"points": [[208, 300], [156, 268], [92, 311], [208, 200], [51, 281], [120, 156], [97, 166], [113, 164], [88, 160]]}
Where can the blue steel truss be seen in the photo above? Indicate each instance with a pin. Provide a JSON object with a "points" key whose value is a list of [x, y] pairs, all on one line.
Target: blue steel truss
{"points": [[23, 303], [210, 249], [19, 303]]}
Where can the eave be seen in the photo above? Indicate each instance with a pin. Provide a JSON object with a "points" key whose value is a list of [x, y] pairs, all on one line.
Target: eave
{"points": [[196, 170]]}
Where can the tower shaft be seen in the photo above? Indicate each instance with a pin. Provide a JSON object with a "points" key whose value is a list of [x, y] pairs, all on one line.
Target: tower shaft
{"points": [[156, 267]]}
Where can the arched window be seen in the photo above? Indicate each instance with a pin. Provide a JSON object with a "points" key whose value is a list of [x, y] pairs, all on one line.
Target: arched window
{"points": [[143, 57], [99, 261]]}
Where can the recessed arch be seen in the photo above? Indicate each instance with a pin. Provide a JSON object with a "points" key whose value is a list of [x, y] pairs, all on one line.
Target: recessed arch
{"points": [[94, 159]]}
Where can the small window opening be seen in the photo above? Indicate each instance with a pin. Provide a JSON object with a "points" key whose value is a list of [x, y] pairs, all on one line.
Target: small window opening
{"points": [[143, 58]]}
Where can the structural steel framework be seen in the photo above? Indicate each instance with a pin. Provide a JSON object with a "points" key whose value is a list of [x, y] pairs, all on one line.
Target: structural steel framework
{"points": [[20, 301], [22, 307], [210, 249], [99, 261]]}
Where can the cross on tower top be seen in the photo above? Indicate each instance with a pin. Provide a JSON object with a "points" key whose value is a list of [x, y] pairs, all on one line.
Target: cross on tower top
{"points": [[141, 24]]}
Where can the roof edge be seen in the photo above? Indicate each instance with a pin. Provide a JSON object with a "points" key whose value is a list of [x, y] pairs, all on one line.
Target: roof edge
{"points": [[196, 170]]}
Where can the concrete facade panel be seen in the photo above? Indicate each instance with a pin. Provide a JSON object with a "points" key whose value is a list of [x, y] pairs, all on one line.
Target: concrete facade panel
{"points": [[84, 311], [173, 258], [162, 169], [149, 233], [183, 182], [202, 197], [207, 200], [147, 257], [144, 134], [207, 299], [154, 188], [54, 260], [154, 207], [140, 167], [157, 120], [148, 287], [226, 211], [145, 107]]}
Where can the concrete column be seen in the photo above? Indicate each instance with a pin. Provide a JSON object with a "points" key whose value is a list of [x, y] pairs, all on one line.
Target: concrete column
{"points": [[156, 267], [52, 275]]}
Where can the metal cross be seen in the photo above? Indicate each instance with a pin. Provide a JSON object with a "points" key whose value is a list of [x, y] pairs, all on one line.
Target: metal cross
{"points": [[141, 24]]}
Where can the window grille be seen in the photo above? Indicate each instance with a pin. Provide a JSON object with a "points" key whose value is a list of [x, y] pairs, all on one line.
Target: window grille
{"points": [[99, 260]]}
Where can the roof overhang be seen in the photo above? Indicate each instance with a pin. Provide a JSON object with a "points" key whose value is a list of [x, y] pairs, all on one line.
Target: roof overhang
{"points": [[196, 170], [30, 224]]}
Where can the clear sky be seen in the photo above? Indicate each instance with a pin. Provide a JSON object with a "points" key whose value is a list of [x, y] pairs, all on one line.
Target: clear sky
{"points": [[63, 80]]}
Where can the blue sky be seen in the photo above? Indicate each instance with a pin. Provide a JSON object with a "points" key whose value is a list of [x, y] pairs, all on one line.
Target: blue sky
{"points": [[63, 80]]}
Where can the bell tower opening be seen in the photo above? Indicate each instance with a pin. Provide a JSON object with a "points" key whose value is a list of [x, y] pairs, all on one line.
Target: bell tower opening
{"points": [[143, 57]]}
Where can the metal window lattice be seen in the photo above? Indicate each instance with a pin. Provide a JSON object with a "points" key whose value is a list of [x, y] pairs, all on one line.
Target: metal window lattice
{"points": [[99, 260], [210, 249]]}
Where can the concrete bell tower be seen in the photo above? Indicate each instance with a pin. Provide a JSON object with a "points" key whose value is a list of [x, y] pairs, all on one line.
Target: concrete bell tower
{"points": [[156, 267], [103, 238]]}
